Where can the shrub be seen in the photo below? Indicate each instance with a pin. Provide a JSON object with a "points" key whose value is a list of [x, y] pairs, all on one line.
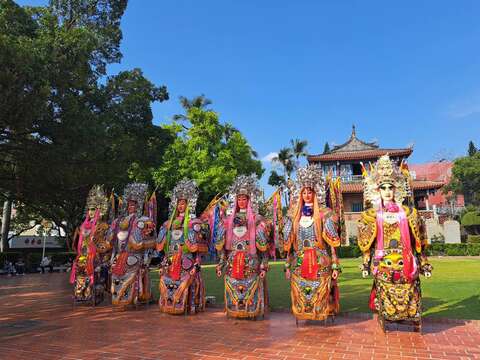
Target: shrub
{"points": [[471, 218], [438, 239], [351, 251], [473, 239], [473, 249], [457, 251]]}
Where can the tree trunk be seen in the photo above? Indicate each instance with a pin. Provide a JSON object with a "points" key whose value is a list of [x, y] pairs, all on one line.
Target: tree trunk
{"points": [[7, 212]]}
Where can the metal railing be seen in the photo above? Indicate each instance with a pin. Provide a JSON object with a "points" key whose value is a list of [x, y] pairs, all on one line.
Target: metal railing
{"points": [[349, 178]]}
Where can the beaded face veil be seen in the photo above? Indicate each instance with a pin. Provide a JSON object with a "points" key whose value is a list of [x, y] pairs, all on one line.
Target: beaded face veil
{"points": [[245, 185], [308, 176], [186, 189], [384, 171], [135, 192]]}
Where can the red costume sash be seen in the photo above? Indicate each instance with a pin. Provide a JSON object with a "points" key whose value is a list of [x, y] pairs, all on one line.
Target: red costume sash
{"points": [[238, 269], [176, 266], [90, 265], [309, 265], [121, 264]]}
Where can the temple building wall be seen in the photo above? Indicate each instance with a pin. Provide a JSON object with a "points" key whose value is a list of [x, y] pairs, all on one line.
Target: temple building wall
{"points": [[353, 202]]}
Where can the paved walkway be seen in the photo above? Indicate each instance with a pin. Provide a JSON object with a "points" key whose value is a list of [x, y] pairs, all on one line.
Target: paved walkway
{"points": [[37, 321]]}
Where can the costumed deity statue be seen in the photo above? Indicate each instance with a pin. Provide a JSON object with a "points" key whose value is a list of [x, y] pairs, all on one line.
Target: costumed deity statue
{"points": [[391, 237], [310, 236], [182, 238], [131, 236], [89, 271], [242, 244]]}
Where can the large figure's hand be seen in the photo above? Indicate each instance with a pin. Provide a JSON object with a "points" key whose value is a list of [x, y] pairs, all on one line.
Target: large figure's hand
{"points": [[335, 274], [365, 270], [426, 270], [287, 274], [262, 274], [219, 271]]}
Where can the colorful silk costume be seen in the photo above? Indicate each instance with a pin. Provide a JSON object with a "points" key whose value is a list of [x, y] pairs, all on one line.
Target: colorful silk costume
{"points": [[242, 245], [311, 235], [183, 238], [131, 235], [89, 271], [391, 237]]}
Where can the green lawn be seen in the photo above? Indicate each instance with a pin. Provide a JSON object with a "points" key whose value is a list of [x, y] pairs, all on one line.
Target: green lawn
{"points": [[453, 291]]}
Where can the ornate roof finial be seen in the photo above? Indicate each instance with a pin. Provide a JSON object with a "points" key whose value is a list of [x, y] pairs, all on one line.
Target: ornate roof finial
{"points": [[354, 134]]}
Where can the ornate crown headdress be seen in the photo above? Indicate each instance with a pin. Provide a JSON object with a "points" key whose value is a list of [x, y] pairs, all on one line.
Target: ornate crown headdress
{"points": [[384, 171], [186, 189], [245, 185], [135, 192], [97, 199], [308, 176]]}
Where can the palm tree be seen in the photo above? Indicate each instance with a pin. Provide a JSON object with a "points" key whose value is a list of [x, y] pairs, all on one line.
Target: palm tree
{"points": [[299, 149], [285, 158], [199, 102]]}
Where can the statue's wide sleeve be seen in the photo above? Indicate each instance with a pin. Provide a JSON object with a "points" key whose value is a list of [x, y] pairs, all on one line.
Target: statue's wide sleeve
{"points": [[367, 230], [330, 229]]}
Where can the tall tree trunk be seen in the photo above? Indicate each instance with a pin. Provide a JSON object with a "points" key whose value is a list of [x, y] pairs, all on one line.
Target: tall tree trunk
{"points": [[7, 212]]}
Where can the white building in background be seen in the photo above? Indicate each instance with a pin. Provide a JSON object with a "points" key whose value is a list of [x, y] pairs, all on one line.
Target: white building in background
{"points": [[34, 238]]}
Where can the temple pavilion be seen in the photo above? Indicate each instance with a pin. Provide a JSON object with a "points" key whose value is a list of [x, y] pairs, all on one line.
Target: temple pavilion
{"points": [[345, 160]]}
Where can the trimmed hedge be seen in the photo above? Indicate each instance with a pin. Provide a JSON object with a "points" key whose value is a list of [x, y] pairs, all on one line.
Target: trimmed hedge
{"points": [[351, 251], [436, 249], [453, 250]]}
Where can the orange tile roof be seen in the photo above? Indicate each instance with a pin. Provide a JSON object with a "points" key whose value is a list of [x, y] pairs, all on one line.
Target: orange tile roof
{"points": [[352, 187], [358, 155], [417, 185], [427, 185]]}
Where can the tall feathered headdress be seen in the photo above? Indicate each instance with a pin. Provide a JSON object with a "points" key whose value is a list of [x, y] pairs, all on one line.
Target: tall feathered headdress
{"points": [[385, 171], [135, 192], [245, 185], [308, 176], [97, 199], [186, 189]]}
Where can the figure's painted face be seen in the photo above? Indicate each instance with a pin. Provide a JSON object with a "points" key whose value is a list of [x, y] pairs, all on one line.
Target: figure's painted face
{"points": [[181, 206], [386, 192], [131, 206], [91, 212], [242, 201], [307, 195]]}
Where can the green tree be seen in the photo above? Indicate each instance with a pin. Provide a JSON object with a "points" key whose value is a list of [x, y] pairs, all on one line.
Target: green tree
{"points": [[276, 179], [199, 102], [202, 152], [472, 150], [64, 125], [285, 159], [326, 148], [299, 149], [466, 178]]}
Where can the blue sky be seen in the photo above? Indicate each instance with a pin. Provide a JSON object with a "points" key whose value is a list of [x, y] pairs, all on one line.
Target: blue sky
{"points": [[404, 72]]}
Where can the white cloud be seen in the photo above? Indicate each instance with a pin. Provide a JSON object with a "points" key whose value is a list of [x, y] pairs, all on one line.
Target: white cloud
{"points": [[269, 157]]}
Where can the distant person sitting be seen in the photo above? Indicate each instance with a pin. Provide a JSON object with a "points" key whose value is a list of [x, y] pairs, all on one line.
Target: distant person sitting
{"points": [[10, 268], [20, 266], [46, 262]]}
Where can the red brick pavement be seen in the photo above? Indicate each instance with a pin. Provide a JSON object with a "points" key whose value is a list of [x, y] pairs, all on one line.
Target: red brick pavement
{"points": [[37, 321]]}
